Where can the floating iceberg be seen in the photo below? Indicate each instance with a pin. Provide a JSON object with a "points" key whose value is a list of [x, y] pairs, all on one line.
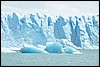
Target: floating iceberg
{"points": [[53, 47], [32, 49], [71, 50]]}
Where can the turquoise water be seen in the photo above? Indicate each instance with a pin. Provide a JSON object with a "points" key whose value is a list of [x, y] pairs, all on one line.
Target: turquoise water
{"points": [[87, 58]]}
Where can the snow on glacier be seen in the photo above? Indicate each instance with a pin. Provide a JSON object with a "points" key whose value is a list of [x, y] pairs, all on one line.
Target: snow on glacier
{"points": [[78, 32]]}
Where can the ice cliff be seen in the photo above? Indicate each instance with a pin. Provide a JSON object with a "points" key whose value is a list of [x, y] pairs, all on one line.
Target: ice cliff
{"points": [[37, 29]]}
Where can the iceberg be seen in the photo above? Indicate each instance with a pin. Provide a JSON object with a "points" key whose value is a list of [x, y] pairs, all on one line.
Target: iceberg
{"points": [[53, 47], [32, 49], [71, 50]]}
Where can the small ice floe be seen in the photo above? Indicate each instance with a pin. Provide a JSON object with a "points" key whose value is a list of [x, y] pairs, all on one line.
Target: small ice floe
{"points": [[7, 50], [71, 50], [95, 47], [32, 49]]}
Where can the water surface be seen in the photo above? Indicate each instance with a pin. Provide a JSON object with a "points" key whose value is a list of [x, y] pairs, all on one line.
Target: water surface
{"points": [[87, 58]]}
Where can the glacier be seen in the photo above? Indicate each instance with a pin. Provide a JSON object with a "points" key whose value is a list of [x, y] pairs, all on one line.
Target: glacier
{"points": [[77, 32]]}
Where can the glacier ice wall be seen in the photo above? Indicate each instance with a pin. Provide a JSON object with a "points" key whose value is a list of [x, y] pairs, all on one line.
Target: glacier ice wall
{"points": [[38, 29], [58, 28]]}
